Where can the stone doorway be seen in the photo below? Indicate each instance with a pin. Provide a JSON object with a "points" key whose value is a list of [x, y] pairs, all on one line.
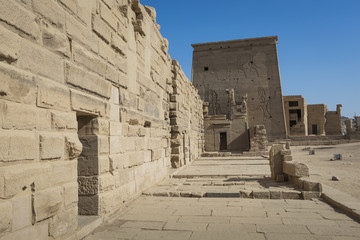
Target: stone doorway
{"points": [[223, 141], [314, 129], [88, 166]]}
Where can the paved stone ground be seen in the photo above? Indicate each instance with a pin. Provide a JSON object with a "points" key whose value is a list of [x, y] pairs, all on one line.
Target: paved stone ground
{"points": [[173, 218], [226, 166], [217, 218]]}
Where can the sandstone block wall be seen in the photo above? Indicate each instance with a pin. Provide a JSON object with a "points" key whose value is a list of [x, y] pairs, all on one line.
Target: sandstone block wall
{"points": [[333, 122], [85, 90], [186, 118]]}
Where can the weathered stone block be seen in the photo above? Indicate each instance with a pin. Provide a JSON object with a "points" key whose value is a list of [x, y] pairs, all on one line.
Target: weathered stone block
{"points": [[77, 31], [86, 103], [262, 194], [18, 116], [156, 154], [116, 145], [88, 165], [70, 191], [16, 85], [103, 164], [38, 232], [41, 61], [6, 217], [17, 145], [63, 120], [118, 44], [73, 146], [89, 205], [51, 95], [85, 10], [15, 15], [9, 45], [106, 182], [55, 40], [88, 60], [57, 173], [86, 80], [116, 162], [295, 169], [101, 28], [308, 195], [21, 212], [114, 113], [276, 160], [15, 179], [107, 203], [107, 15], [115, 129], [51, 10], [51, 146], [103, 144], [136, 158], [47, 203], [310, 185], [64, 223], [112, 74], [88, 185]]}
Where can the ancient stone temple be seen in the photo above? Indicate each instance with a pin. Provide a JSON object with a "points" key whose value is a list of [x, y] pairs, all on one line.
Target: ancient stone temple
{"points": [[93, 110], [250, 67]]}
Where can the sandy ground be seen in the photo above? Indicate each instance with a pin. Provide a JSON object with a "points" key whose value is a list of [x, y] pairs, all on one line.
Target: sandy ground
{"points": [[322, 169]]}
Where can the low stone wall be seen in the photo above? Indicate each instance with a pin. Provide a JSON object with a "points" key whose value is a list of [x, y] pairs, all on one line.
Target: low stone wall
{"points": [[283, 168], [85, 90]]}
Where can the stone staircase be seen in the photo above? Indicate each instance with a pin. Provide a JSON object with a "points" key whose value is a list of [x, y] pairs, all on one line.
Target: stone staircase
{"points": [[227, 177]]}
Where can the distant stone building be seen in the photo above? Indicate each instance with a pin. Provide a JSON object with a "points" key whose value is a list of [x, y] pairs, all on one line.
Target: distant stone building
{"points": [[312, 119], [250, 67], [316, 119], [296, 115], [333, 122]]}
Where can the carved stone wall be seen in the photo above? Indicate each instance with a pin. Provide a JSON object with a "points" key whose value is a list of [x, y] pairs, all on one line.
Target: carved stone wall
{"points": [[250, 66], [85, 90]]}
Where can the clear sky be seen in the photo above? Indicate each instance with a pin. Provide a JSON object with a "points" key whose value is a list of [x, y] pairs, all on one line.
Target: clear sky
{"points": [[318, 48]]}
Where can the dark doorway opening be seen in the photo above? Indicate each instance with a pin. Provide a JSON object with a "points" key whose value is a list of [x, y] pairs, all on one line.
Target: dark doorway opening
{"points": [[314, 129], [223, 141], [88, 203]]}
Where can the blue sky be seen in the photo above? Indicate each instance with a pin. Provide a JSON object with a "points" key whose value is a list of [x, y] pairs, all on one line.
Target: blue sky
{"points": [[318, 48]]}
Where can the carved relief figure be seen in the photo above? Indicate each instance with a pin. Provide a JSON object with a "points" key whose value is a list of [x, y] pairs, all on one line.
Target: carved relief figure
{"points": [[263, 104], [214, 105], [231, 102]]}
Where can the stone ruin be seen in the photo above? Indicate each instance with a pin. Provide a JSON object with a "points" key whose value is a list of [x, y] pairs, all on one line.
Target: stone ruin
{"points": [[94, 110]]}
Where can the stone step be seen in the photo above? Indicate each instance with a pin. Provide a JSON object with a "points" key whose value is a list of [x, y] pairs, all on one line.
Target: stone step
{"points": [[261, 194]]}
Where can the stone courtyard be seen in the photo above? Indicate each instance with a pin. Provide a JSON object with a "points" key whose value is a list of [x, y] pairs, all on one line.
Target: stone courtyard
{"points": [[102, 135]]}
